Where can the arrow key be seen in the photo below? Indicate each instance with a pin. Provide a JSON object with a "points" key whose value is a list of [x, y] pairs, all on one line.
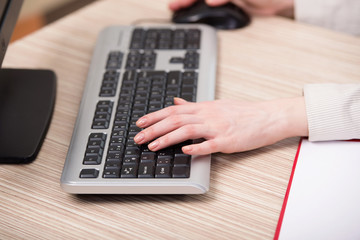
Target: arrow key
{"points": [[163, 171]]}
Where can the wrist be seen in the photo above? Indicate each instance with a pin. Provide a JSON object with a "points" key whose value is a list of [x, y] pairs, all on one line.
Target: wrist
{"points": [[295, 118], [284, 118]]}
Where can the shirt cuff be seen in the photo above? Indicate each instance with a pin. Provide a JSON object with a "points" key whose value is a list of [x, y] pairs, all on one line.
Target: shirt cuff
{"points": [[333, 111]]}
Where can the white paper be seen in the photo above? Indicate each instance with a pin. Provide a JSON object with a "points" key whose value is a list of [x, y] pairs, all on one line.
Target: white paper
{"points": [[324, 198]]}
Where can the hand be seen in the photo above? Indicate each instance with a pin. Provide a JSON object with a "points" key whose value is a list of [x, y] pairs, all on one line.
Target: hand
{"points": [[254, 7], [227, 126]]}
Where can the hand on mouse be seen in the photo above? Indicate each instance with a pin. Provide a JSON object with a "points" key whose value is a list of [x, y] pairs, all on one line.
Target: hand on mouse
{"points": [[227, 126], [254, 7]]}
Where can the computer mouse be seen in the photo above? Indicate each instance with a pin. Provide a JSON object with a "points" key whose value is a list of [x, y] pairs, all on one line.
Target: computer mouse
{"points": [[227, 16]]}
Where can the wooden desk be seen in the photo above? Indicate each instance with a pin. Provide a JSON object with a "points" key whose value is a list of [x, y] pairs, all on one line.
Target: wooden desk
{"points": [[272, 58]]}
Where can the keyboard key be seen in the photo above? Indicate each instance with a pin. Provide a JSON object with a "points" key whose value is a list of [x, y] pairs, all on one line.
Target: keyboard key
{"points": [[114, 156], [129, 171], [112, 163], [181, 158], [131, 160], [164, 160], [97, 136], [134, 151], [89, 173], [114, 148], [92, 160], [95, 143], [148, 156], [176, 60], [111, 173], [94, 151], [163, 171], [181, 171], [114, 140], [189, 82], [100, 124], [188, 97], [174, 78], [165, 157], [146, 170]]}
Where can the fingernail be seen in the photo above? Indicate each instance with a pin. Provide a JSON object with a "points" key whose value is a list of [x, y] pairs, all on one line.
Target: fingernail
{"points": [[139, 137], [179, 100], [153, 145], [140, 122]]}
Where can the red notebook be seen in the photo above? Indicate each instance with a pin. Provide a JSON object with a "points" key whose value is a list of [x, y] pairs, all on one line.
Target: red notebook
{"points": [[322, 200]]}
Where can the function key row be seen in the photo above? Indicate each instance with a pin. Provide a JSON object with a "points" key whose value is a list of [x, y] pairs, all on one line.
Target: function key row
{"points": [[165, 39]]}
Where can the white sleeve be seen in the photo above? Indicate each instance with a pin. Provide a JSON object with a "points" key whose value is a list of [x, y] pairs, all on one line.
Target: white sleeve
{"points": [[333, 111], [339, 15]]}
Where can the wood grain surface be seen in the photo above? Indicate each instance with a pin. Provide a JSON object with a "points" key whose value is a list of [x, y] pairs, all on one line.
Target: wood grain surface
{"points": [[272, 58]]}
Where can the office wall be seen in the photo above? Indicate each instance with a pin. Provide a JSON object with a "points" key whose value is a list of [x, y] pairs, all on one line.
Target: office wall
{"points": [[35, 14]]}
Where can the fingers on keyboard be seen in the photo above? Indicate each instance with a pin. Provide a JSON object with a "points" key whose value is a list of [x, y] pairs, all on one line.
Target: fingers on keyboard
{"points": [[189, 131], [157, 116]]}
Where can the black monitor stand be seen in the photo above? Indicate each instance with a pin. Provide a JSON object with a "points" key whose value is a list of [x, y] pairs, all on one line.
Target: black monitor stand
{"points": [[27, 100]]}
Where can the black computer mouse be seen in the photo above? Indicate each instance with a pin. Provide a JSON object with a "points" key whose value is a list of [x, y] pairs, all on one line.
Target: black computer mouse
{"points": [[227, 16]]}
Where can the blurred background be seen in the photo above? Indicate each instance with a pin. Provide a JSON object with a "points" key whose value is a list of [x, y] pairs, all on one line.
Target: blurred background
{"points": [[35, 14]]}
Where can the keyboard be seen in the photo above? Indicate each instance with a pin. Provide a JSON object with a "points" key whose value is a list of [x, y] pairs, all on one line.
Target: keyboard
{"points": [[137, 70]]}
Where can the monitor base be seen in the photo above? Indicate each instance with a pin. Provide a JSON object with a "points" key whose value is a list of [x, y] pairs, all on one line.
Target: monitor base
{"points": [[27, 99]]}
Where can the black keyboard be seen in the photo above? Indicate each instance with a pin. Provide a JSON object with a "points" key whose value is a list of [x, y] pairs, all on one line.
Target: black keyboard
{"points": [[157, 65]]}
